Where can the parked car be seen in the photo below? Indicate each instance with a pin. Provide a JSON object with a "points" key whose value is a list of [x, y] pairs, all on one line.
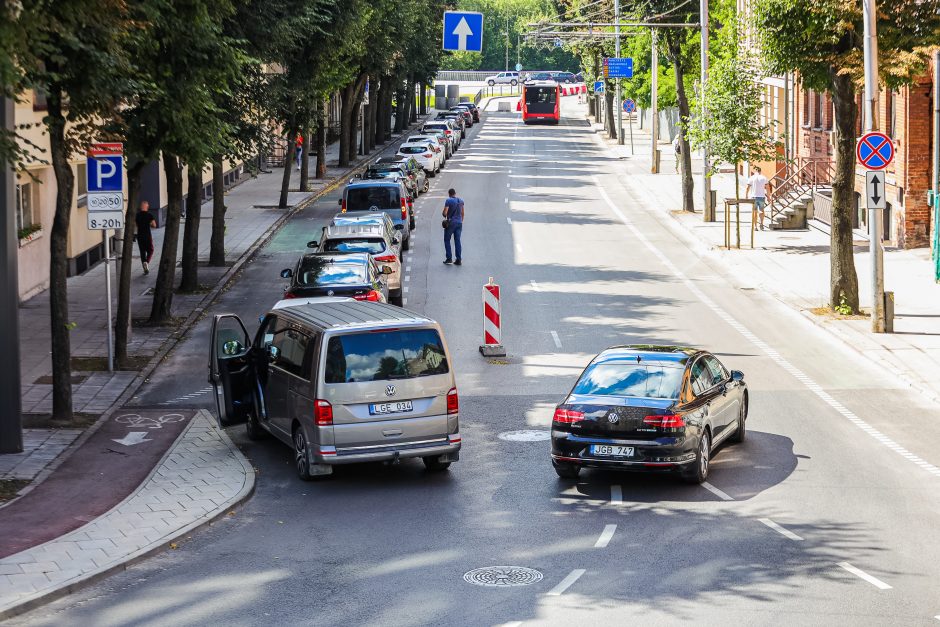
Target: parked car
{"points": [[539, 76], [503, 78], [394, 171], [563, 77], [439, 146], [340, 381], [354, 275], [363, 198], [472, 108], [371, 238], [443, 139], [649, 408], [390, 229], [413, 168], [423, 154], [467, 116], [450, 129], [458, 120]]}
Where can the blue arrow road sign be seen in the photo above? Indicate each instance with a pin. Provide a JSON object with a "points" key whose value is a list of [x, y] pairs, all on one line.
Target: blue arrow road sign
{"points": [[463, 31], [629, 106], [599, 87], [619, 67]]}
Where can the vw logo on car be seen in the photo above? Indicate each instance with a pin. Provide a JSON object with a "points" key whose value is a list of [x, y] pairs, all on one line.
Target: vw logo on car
{"points": [[612, 417], [389, 390]]}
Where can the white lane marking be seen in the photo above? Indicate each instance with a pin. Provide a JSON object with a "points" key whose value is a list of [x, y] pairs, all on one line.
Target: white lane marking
{"points": [[723, 496], [784, 532], [514, 623], [404, 301], [505, 200], [407, 268], [508, 220], [566, 583], [798, 374], [507, 184], [606, 536], [616, 495], [557, 339], [535, 286], [405, 290], [407, 278], [861, 574]]}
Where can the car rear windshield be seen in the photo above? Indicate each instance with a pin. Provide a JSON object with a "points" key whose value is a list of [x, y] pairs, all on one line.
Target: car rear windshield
{"points": [[359, 198], [331, 271], [384, 355], [630, 379], [436, 127], [373, 246], [412, 150]]}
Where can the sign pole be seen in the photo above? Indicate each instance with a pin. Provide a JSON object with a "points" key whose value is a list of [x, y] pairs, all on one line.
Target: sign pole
{"points": [[617, 54], [708, 212], [876, 251], [106, 237], [654, 105], [631, 136]]}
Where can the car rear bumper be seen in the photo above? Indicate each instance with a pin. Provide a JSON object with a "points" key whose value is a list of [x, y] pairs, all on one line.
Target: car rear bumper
{"points": [[651, 456], [337, 456]]}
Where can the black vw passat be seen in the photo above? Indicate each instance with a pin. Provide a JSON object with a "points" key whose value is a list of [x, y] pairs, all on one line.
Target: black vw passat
{"points": [[649, 408]]}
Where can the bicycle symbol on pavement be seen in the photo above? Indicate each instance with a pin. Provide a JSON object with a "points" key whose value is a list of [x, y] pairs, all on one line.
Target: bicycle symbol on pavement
{"points": [[146, 422]]}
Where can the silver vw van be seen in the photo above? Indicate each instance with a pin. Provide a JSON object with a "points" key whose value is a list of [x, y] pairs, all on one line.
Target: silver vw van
{"points": [[341, 381]]}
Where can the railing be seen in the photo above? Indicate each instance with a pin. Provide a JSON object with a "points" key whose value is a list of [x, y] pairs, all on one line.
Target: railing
{"points": [[799, 179], [464, 76]]}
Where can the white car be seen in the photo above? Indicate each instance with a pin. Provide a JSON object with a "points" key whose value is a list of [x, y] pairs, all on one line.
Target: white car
{"points": [[441, 148], [446, 127], [423, 154], [503, 78]]}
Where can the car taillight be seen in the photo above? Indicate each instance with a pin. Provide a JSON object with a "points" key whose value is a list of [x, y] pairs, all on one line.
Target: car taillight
{"points": [[371, 295], [453, 402], [289, 295], [672, 421], [404, 207], [568, 416], [323, 413], [386, 258], [427, 155]]}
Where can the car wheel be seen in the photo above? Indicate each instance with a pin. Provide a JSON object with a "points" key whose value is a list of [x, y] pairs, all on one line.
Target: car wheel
{"points": [[395, 299], [431, 173], [566, 471], [427, 185], [434, 464], [740, 434], [406, 245], [699, 472], [491, 83], [513, 82], [411, 224], [301, 457]]}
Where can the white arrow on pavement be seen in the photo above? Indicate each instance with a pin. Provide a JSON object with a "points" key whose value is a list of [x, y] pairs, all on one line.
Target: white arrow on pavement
{"points": [[462, 31], [132, 438]]}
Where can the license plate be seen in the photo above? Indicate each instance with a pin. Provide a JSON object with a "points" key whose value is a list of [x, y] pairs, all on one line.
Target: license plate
{"points": [[611, 450], [390, 408]]}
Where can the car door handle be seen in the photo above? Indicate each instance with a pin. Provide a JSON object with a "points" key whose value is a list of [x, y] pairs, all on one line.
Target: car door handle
{"points": [[391, 433]]}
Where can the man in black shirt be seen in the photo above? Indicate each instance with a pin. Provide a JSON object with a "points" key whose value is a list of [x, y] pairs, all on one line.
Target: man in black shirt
{"points": [[145, 221]]}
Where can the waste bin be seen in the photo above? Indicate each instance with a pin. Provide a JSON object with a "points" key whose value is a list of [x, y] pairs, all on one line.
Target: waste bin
{"points": [[440, 97], [453, 94], [889, 312]]}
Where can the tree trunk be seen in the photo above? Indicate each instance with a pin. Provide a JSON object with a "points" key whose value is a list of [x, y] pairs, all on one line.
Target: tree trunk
{"points": [[609, 101], [685, 160], [321, 141], [412, 105], [289, 155], [399, 109], [354, 126], [217, 239], [347, 120], [122, 322], [189, 280], [381, 122], [843, 281], [58, 272], [424, 98], [373, 114], [305, 158], [737, 209], [389, 95], [161, 310]]}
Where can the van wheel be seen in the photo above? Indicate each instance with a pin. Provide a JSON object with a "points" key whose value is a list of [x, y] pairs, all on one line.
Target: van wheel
{"points": [[406, 245], [434, 464], [301, 455], [254, 430]]}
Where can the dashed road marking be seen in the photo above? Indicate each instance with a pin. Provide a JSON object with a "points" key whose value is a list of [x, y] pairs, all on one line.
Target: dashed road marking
{"points": [[606, 536], [784, 532], [508, 220], [557, 339], [407, 278], [405, 290], [616, 495], [723, 496], [535, 286], [861, 574], [566, 583]]}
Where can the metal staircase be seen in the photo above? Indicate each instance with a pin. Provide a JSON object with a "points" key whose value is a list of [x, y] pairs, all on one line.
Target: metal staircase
{"points": [[793, 189]]}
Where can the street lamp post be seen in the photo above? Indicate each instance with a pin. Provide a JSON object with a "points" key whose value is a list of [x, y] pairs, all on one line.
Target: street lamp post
{"points": [[708, 212], [876, 250], [617, 54]]}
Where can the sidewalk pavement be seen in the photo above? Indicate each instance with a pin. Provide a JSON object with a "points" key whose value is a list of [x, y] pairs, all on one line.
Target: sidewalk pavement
{"points": [[793, 266]]}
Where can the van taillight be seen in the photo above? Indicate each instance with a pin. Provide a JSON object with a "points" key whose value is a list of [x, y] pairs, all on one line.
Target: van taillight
{"points": [[323, 412], [404, 209], [453, 402], [343, 208]]}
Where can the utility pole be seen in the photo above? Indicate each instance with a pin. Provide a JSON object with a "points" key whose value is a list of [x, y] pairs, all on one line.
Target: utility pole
{"points": [[11, 426], [507, 44], [871, 124], [654, 105], [617, 54], [708, 212]]}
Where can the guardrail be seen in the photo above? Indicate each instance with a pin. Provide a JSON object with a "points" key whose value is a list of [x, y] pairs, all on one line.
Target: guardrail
{"points": [[454, 76]]}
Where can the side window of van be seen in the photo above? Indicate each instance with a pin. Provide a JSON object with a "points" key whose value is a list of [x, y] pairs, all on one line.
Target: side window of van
{"points": [[292, 347]]}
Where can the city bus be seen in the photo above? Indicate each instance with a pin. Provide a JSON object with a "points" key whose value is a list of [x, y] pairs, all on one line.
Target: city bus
{"points": [[541, 101]]}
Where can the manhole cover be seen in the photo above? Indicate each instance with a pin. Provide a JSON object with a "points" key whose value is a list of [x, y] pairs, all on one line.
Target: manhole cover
{"points": [[525, 435], [502, 576]]}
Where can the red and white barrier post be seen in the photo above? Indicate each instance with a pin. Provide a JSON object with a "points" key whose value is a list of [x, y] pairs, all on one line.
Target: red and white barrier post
{"points": [[492, 330]]}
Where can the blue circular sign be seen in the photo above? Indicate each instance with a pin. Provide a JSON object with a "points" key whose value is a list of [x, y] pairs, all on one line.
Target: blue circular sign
{"points": [[629, 106], [875, 151]]}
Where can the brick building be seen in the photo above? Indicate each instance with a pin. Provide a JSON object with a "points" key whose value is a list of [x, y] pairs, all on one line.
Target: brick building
{"points": [[904, 115]]}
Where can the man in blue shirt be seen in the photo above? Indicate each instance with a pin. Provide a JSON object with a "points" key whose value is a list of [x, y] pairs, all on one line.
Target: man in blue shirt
{"points": [[453, 213]]}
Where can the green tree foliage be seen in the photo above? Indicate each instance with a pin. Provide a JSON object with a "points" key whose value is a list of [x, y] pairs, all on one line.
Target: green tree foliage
{"points": [[823, 41]]}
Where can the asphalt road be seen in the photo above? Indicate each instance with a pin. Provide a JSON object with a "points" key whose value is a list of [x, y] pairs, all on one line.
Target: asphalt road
{"points": [[826, 515]]}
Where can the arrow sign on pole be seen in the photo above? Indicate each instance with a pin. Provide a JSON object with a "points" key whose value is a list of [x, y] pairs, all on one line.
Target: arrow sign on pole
{"points": [[875, 189], [132, 438], [463, 31]]}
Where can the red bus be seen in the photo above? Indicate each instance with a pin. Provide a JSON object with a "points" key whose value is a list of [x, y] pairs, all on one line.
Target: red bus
{"points": [[541, 101]]}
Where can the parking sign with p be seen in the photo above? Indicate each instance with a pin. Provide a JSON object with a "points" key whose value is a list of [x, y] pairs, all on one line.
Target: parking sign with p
{"points": [[104, 175]]}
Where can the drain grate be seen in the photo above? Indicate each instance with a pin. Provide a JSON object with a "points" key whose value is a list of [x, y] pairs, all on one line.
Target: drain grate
{"points": [[525, 435], [500, 576]]}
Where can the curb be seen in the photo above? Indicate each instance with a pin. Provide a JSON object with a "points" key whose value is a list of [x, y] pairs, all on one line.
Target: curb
{"points": [[709, 250], [85, 580], [174, 338]]}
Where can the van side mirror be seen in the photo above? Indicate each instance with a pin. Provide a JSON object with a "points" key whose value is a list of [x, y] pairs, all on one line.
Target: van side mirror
{"points": [[313, 244], [397, 239], [273, 352], [399, 227], [287, 273]]}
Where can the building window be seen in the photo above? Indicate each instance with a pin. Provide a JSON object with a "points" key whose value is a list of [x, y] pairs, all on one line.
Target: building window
{"points": [[26, 217], [830, 113], [806, 96], [817, 109], [891, 108], [81, 183], [39, 101]]}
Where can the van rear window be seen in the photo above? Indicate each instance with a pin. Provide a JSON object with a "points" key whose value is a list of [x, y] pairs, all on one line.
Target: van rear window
{"points": [[385, 355], [359, 198]]}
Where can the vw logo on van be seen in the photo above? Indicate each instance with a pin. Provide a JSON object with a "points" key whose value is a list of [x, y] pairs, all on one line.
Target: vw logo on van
{"points": [[389, 390]]}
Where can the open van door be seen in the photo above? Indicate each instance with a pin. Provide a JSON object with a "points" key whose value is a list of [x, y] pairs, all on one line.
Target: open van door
{"points": [[230, 371]]}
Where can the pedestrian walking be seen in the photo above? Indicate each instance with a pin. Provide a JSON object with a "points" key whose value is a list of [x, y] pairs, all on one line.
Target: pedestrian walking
{"points": [[299, 144], [144, 221], [453, 225], [677, 147], [758, 186]]}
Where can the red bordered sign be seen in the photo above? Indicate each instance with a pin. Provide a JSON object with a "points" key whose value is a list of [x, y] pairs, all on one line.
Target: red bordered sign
{"points": [[107, 149], [875, 151]]}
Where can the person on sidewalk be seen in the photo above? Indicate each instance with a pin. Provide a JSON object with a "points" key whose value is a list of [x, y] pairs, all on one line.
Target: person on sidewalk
{"points": [[299, 143], [453, 225], [145, 221], [758, 186], [677, 147]]}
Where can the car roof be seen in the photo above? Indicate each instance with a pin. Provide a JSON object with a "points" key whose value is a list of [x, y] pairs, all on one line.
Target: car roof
{"points": [[373, 183], [374, 217], [650, 353], [353, 314], [338, 231]]}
